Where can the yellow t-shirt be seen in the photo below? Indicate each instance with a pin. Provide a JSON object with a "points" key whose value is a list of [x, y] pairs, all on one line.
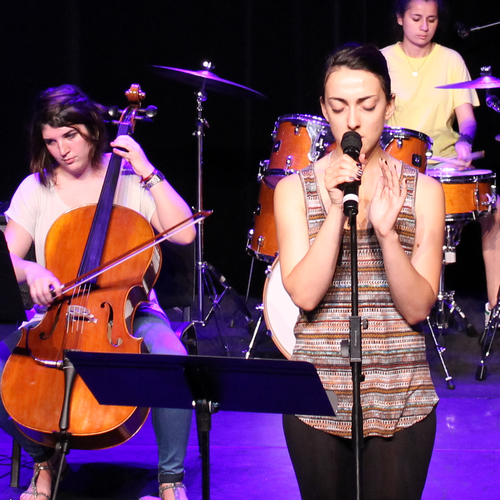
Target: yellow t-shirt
{"points": [[422, 107]]}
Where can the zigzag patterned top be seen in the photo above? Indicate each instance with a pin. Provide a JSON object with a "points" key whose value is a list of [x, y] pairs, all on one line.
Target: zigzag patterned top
{"points": [[397, 391]]}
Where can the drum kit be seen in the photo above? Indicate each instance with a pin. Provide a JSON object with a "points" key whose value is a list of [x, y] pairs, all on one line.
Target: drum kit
{"points": [[299, 140]]}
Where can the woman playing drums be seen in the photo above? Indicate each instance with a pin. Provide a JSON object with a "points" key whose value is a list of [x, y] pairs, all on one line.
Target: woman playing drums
{"points": [[417, 66]]}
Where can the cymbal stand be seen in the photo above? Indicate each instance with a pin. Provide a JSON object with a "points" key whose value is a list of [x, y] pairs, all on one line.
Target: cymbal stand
{"points": [[446, 304], [206, 275]]}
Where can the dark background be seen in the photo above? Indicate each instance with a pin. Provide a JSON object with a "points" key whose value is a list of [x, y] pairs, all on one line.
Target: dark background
{"points": [[276, 47]]}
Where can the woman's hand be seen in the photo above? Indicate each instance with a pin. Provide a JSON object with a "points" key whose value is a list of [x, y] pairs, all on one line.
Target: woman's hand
{"points": [[339, 171], [44, 286], [129, 149], [387, 201], [464, 151]]}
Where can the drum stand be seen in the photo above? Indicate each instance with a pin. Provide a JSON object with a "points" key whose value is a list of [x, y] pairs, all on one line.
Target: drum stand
{"points": [[259, 308], [206, 275], [446, 304], [487, 340]]}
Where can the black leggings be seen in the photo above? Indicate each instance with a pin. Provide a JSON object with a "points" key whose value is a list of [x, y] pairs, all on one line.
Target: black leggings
{"points": [[393, 468]]}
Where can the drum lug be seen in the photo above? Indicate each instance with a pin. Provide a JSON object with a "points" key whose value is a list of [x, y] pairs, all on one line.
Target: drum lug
{"points": [[260, 241], [289, 161], [276, 146], [491, 202], [263, 166], [400, 143], [416, 161]]}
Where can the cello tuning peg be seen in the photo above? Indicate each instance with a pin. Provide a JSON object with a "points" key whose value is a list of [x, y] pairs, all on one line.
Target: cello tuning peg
{"points": [[114, 112], [151, 111], [147, 114]]}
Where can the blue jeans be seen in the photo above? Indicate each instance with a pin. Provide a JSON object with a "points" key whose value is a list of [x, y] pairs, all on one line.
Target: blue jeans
{"points": [[171, 426]]}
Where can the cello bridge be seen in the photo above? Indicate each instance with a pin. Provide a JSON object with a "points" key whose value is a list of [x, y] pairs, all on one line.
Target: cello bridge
{"points": [[80, 313]]}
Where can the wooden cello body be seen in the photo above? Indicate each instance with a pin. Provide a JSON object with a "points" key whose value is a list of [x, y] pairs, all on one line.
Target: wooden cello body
{"points": [[91, 318]]}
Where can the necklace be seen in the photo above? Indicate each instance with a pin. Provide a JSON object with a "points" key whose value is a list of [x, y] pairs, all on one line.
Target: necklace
{"points": [[415, 71]]}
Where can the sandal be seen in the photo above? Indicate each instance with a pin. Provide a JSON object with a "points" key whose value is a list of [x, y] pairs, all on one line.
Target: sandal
{"points": [[52, 467], [173, 486]]}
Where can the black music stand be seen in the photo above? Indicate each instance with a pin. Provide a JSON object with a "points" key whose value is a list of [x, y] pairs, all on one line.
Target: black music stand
{"points": [[12, 311], [207, 383]]}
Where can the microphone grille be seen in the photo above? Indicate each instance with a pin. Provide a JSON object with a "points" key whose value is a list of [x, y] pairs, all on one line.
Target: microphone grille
{"points": [[351, 140]]}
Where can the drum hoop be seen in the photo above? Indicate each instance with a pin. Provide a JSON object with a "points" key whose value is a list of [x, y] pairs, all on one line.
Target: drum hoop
{"points": [[300, 119], [275, 267], [403, 133], [465, 177]]}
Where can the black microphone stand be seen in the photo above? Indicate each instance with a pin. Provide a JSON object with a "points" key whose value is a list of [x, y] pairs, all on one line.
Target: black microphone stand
{"points": [[352, 348], [463, 32]]}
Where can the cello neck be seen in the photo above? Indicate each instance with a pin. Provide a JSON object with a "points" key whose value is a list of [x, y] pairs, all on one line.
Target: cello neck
{"points": [[98, 232]]}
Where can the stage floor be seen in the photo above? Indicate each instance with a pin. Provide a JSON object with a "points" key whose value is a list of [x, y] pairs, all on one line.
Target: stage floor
{"points": [[248, 453]]}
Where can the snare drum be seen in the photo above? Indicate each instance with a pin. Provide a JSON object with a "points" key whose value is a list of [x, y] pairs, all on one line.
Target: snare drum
{"points": [[468, 194], [280, 313], [407, 145], [298, 140]]}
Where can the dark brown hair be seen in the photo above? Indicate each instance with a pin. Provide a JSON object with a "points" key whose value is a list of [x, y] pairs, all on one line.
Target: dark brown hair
{"points": [[65, 106], [360, 57]]}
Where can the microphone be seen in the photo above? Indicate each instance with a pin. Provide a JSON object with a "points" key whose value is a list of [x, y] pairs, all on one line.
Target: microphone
{"points": [[351, 145], [462, 31]]}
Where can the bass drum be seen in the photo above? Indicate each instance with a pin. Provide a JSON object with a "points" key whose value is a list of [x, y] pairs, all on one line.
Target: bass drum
{"points": [[280, 313]]}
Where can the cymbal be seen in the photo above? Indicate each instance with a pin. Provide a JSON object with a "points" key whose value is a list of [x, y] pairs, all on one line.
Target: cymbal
{"points": [[210, 81], [484, 82]]}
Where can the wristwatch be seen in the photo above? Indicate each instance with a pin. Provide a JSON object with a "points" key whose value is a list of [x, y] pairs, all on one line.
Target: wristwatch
{"points": [[152, 179]]}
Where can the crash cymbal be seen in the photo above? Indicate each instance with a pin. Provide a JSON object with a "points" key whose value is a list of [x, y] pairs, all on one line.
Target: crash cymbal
{"points": [[210, 81], [484, 82]]}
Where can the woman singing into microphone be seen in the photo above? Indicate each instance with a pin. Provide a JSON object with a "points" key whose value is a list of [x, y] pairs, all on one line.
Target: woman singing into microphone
{"points": [[400, 228]]}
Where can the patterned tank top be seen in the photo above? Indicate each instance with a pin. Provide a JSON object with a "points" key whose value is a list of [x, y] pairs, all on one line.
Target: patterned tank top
{"points": [[397, 390]]}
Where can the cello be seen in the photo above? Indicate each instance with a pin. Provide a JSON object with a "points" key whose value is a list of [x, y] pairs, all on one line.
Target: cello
{"points": [[94, 316]]}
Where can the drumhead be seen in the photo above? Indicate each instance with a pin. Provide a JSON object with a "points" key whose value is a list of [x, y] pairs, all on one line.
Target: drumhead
{"points": [[299, 119], [461, 176], [391, 133], [280, 313]]}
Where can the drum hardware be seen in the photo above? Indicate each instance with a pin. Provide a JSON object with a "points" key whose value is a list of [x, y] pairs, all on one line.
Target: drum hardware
{"points": [[259, 308], [446, 305], [206, 274], [487, 338], [278, 311]]}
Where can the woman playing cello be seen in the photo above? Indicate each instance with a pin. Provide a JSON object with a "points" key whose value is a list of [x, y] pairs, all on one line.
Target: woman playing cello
{"points": [[68, 167]]}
